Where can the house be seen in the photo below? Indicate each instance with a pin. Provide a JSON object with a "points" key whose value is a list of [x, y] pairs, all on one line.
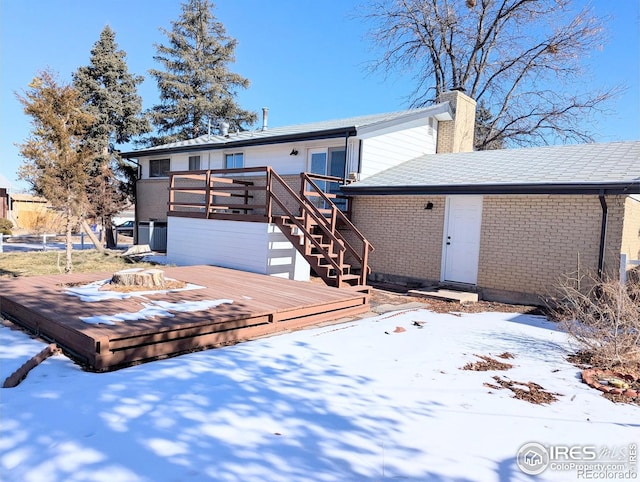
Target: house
{"points": [[32, 212], [186, 187], [4, 203], [507, 223], [5, 189]]}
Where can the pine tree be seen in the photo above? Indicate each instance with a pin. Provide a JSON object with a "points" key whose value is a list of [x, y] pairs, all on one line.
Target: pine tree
{"points": [[484, 128], [110, 94], [196, 86], [57, 161]]}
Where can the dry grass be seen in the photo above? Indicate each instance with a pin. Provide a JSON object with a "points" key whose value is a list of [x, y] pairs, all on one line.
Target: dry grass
{"points": [[529, 392], [486, 364], [37, 263], [603, 317], [384, 293]]}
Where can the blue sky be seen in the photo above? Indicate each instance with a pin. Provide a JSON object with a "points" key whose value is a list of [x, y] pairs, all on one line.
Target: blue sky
{"points": [[307, 61]]}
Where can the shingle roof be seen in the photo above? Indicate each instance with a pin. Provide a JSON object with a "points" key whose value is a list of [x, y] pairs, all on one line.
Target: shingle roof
{"points": [[551, 168], [312, 130]]}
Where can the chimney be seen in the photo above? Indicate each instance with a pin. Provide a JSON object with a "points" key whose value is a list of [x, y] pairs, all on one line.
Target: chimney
{"points": [[265, 117], [457, 135]]}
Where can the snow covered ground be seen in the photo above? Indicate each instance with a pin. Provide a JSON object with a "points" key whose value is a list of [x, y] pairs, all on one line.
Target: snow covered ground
{"points": [[349, 402]]}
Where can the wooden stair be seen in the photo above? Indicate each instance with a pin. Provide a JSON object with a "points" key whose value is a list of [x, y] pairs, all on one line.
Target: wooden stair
{"points": [[326, 257], [315, 235]]}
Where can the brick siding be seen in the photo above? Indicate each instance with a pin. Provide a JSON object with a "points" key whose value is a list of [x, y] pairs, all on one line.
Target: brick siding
{"points": [[407, 238], [528, 242], [631, 229]]}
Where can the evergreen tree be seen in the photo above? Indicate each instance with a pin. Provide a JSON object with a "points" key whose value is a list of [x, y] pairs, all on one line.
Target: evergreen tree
{"points": [[110, 94], [57, 161], [484, 129], [196, 85]]}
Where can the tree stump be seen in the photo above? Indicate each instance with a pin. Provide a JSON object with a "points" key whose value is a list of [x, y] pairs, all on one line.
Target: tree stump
{"points": [[145, 278]]}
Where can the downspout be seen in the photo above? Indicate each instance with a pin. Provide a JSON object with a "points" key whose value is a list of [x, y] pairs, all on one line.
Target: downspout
{"points": [[603, 233], [135, 211], [346, 159]]}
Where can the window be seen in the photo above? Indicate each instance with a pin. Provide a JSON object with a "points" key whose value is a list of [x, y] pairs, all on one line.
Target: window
{"points": [[234, 161], [194, 163], [329, 162], [159, 167]]}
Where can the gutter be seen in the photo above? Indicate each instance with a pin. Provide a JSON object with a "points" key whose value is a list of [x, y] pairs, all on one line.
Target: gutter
{"points": [[327, 134], [608, 189], [345, 174], [603, 233]]}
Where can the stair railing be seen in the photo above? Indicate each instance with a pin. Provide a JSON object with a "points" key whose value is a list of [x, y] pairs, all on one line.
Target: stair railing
{"points": [[305, 227], [335, 215]]}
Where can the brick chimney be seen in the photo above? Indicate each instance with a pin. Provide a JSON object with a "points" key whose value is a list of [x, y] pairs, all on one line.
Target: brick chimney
{"points": [[457, 135]]}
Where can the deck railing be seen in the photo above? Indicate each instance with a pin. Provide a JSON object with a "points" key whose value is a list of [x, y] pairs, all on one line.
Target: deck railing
{"points": [[219, 194]]}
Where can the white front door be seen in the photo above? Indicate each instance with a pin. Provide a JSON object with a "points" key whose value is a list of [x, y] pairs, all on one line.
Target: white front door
{"points": [[461, 251]]}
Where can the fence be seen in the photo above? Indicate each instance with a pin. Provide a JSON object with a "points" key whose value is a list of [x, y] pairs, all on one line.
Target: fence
{"points": [[40, 240], [154, 234], [624, 262]]}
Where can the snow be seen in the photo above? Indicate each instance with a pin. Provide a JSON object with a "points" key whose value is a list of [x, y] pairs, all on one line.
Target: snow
{"points": [[348, 402], [92, 292]]}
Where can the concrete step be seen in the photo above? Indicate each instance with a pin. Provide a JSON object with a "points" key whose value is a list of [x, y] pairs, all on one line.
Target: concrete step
{"points": [[448, 295]]}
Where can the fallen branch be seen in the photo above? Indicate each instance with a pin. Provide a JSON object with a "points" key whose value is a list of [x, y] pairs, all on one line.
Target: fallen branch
{"points": [[21, 373]]}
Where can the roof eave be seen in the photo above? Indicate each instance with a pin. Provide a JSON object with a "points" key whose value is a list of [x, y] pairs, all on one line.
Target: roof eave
{"points": [[306, 136], [599, 188], [441, 112]]}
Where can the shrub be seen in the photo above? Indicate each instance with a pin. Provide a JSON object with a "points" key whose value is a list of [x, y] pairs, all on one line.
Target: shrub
{"points": [[5, 226], [604, 319]]}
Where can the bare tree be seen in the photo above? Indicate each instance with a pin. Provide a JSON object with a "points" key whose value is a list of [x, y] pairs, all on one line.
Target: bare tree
{"points": [[522, 60]]}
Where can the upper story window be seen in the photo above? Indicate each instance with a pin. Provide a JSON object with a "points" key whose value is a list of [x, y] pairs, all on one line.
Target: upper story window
{"points": [[234, 161], [159, 167], [194, 163]]}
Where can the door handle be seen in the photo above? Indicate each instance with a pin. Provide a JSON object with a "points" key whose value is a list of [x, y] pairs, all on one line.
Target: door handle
{"points": [[448, 243]]}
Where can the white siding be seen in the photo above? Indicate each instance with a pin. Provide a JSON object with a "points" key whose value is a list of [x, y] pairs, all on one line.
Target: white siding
{"points": [[255, 247], [277, 156], [384, 151]]}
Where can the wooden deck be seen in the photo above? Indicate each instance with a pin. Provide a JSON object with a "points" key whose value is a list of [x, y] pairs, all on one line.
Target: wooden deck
{"points": [[261, 305]]}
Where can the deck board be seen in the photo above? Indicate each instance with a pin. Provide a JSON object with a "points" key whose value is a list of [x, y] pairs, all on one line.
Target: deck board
{"points": [[261, 305]]}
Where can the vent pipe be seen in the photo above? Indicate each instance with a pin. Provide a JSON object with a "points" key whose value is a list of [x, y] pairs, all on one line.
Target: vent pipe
{"points": [[265, 117], [224, 128]]}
